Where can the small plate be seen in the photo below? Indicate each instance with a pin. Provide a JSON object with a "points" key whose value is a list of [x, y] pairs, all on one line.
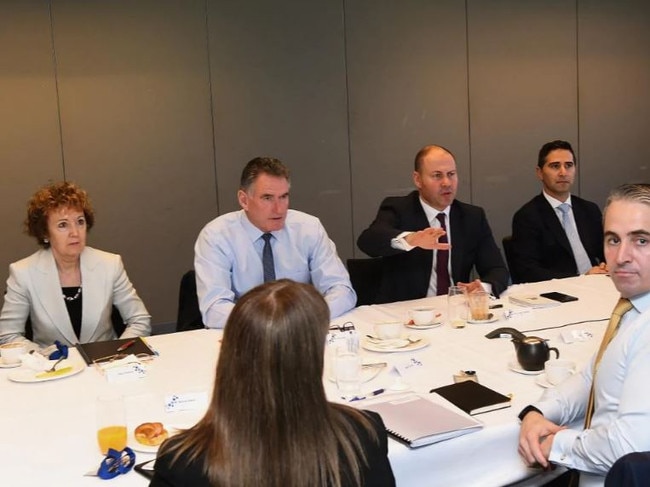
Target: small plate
{"points": [[543, 382], [4, 365], [29, 375], [135, 445], [367, 374], [423, 327], [407, 347], [515, 367], [491, 319]]}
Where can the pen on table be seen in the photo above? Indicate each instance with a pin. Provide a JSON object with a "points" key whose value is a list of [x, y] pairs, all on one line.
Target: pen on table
{"points": [[121, 348], [370, 394]]}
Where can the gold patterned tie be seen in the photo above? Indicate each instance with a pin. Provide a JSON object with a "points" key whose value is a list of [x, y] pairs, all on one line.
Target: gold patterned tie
{"points": [[623, 306]]}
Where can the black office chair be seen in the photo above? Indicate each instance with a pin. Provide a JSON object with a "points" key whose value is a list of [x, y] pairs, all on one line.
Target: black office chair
{"points": [[507, 250], [189, 314], [365, 275]]}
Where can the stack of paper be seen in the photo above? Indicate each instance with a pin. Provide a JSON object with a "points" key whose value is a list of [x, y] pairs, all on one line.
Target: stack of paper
{"points": [[532, 301]]}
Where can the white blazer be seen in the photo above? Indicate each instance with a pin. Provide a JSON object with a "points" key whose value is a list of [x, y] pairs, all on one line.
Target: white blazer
{"points": [[34, 290]]}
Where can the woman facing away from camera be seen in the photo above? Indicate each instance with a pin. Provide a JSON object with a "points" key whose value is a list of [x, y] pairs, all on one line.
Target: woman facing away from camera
{"points": [[269, 422], [67, 289]]}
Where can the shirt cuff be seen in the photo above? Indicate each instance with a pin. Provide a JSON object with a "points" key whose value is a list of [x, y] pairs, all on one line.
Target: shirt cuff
{"points": [[563, 442], [400, 243]]}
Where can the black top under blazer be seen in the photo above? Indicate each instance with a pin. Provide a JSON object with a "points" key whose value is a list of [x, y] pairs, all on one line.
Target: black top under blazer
{"points": [[406, 275], [540, 247]]}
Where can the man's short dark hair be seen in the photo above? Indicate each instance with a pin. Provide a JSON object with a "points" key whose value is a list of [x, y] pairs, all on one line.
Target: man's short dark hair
{"points": [[550, 147], [259, 165]]}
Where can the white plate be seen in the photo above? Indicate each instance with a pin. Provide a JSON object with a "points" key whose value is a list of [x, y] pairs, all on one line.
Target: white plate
{"points": [[367, 374], [515, 367], [4, 365], [482, 322], [135, 445], [409, 347], [29, 375], [543, 382], [423, 327]]}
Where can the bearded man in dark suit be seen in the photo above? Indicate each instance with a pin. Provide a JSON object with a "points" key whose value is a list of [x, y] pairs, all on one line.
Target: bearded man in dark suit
{"points": [[428, 240]]}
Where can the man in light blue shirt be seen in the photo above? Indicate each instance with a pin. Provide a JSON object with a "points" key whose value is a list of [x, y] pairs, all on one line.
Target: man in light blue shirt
{"points": [[620, 423], [230, 256]]}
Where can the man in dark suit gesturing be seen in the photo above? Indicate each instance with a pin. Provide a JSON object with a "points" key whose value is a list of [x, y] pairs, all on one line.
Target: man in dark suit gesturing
{"points": [[429, 240], [556, 234]]}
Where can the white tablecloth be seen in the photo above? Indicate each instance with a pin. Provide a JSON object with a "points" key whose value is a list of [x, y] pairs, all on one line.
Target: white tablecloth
{"points": [[47, 430]]}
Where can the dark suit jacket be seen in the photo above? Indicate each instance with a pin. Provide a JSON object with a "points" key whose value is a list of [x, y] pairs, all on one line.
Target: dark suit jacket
{"points": [[540, 247], [631, 470], [406, 275], [378, 473]]}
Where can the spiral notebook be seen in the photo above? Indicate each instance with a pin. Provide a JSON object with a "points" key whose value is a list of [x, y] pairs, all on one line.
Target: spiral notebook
{"points": [[418, 421]]}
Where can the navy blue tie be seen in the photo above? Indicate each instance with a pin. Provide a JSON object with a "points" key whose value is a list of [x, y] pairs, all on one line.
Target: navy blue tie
{"points": [[267, 259]]}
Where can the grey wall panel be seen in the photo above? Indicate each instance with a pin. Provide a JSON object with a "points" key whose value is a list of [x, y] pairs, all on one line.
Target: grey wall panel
{"points": [[30, 153], [135, 110], [407, 75], [523, 93], [278, 72], [614, 68]]}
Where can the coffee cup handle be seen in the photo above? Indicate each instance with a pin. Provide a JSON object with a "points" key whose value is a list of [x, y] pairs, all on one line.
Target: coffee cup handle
{"points": [[557, 352]]}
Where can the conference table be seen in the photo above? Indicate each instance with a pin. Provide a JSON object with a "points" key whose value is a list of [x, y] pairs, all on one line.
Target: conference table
{"points": [[48, 432]]}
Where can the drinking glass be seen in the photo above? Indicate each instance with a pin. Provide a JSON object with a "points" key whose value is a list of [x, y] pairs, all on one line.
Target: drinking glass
{"points": [[457, 307], [111, 422], [347, 371], [478, 305]]}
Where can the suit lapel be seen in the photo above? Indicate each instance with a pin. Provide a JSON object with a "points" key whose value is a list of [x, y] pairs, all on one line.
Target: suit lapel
{"points": [[92, 289], [552, 222], [46, 282]]}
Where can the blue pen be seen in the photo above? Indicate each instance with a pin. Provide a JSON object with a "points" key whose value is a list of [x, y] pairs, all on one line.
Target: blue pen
{"points": [[370, 394]]}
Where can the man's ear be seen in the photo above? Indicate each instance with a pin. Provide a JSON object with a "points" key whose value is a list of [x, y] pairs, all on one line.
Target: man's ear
{"points": [[242, 197], [538, 173], [417, 179]]}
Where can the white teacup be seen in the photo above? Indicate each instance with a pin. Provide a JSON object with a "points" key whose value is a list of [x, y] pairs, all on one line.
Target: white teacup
{"points": [[423, 316], [559, 370], [388, 330], [11, 352]]}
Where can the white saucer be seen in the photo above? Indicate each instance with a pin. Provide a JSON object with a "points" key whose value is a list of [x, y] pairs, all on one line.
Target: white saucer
{"points": [[482, 322], [423, 327], [407, 347], [543, 382], [515, 367], [4, 365]]}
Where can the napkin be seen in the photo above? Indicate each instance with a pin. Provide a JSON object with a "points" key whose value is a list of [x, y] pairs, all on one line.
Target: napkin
{"points": [[124, 369], [35, 361]]}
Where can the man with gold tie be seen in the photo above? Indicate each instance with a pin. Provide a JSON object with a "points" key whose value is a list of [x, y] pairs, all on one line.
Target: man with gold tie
{"points": [[611, 393]]}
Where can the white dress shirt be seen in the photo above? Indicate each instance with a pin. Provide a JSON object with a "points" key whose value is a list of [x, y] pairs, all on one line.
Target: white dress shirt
{"points": [[621, 420]]}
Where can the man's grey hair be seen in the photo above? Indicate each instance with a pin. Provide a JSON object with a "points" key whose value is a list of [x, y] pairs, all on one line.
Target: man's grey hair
{"points": [[636, 193]]}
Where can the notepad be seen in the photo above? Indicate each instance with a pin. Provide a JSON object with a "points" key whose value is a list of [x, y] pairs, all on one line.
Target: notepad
{"points": [[418, 421], [100, 351], [532, 301], [472, 397]]}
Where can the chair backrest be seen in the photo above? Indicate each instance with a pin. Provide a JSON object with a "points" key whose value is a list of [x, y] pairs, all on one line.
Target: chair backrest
{"points": [[189, 315], [507, 250], [365, 275]]}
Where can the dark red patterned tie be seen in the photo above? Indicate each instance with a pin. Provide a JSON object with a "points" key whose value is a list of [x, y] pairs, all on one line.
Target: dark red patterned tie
{"points": [[442, 260]]}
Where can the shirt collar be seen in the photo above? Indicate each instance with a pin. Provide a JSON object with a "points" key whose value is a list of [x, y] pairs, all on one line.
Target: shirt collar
{"points": [[554, 202], [431, 212], [641, 302], [251, 230]]}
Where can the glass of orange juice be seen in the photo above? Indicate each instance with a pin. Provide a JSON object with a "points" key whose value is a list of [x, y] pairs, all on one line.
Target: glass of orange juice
{"points": [[111, 422]]}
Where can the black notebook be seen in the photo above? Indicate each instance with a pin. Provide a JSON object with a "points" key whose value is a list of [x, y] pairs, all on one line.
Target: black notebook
{"points": [[418, 421], [104, 351], [472, 397]]}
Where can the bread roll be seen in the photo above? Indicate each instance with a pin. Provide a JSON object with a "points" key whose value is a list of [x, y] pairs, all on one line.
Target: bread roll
{"points": [[151, 434]]}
